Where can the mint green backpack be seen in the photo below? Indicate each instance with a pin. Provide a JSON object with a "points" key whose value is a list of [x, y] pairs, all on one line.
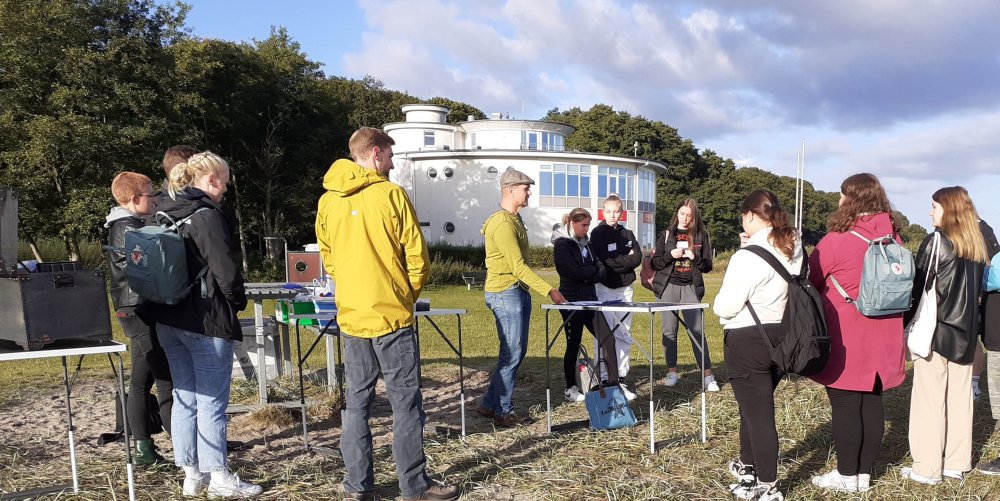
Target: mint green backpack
{"points": [[886, 278]]}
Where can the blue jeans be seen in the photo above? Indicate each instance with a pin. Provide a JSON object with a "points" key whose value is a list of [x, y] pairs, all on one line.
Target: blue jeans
{"points": [[395, 357], [512, 309], [202, 369]]}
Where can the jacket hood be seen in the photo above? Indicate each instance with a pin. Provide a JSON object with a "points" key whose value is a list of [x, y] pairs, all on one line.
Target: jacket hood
{"points": [[346, 177], [563, 232], [119, 212], [187, 202], [875, 225]]}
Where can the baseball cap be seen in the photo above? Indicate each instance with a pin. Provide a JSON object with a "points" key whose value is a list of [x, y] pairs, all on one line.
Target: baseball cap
{"points": [[512, 176]]}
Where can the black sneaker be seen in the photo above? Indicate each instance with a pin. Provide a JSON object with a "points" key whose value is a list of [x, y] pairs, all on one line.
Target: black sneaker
{"points": [[991, 468]]}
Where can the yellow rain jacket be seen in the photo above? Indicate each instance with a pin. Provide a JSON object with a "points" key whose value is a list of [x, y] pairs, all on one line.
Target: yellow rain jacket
{"points": [[506, 245], [371, 244]]}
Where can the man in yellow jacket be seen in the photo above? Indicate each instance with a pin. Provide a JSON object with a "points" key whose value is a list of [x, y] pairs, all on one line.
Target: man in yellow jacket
{"points": [[507, 279], [370, 241]]}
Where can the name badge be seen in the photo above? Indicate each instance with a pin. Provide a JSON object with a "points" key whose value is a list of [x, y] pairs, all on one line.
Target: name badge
{"points": [[612, 247]]}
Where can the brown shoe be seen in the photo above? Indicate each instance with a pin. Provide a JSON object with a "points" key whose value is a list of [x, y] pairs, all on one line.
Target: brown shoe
{"points": [[506, 421], [486, 412], [437, 493]]}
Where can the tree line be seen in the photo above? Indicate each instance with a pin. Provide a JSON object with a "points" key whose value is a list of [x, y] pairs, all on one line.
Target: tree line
{"points": [[89, 88]]}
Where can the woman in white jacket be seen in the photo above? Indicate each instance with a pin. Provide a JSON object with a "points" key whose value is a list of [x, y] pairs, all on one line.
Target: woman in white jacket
{"points": [[751, 372]]}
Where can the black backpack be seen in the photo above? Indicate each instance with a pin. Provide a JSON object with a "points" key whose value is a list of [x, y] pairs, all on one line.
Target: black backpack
{"points": [[805, 347]]}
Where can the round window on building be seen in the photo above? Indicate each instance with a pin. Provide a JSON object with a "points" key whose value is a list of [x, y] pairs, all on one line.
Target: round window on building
{"points": [[448, 172], [492, 171], [449, 227], [432, 173]]}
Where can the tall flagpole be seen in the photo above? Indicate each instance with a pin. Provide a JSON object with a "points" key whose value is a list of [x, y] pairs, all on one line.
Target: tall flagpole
{"points": [[801, 186]]}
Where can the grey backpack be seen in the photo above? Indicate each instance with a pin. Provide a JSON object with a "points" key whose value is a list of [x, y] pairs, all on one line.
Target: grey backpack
{"points": [[886, 278], [156, 265]]}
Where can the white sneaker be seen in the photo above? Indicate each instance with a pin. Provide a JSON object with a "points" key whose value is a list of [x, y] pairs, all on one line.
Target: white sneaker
{"points": [[953, 474], [756, 491], [233, 487], [628, 394], [744, 473], [573, 394], [834, 481], [864, 482], [710, 384], [671, 379], [195, 486], [907, 472]]}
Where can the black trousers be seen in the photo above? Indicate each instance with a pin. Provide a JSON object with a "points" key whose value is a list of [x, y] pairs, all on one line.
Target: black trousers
{"points": [[754, 378], [858, 426], [574, 335], [149, 367]]}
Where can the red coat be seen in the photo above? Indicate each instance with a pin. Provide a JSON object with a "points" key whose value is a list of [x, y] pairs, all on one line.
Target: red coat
{"points": [[860, 346]]}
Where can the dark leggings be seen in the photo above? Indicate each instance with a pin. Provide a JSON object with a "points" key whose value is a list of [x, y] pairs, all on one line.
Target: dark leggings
{"points": [[858, 426], [149, 367], [754, 378], [574, 334]]}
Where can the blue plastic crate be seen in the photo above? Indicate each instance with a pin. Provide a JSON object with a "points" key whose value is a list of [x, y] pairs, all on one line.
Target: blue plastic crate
{"points": [[326, 305]]}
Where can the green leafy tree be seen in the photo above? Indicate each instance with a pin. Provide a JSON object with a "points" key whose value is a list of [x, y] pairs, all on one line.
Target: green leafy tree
{"points": [[84, 92]]}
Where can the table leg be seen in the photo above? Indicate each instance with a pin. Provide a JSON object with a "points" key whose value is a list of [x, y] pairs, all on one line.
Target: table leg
{"points": [[258, 326], [652, 384], [129, 464], [704, 413], [302, 387], [69, 421], [548, 396], [461, 374], [332, 378]]}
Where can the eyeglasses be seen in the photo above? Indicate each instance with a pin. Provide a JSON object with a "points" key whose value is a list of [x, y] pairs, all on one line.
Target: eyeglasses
{"points": [[148, 195]]}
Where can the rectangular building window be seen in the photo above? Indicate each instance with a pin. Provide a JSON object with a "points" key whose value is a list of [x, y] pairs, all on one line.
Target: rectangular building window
{"points": [[428, 138]]}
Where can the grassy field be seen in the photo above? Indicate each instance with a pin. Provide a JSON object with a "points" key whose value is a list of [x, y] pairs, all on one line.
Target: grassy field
{"points": [[525, 463]]}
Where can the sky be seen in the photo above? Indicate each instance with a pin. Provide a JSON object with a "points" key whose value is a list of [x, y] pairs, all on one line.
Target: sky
{"points": [[906, 90]]}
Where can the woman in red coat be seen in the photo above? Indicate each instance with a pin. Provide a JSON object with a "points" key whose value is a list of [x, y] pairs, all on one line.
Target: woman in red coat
{"points": [[866, 353]]}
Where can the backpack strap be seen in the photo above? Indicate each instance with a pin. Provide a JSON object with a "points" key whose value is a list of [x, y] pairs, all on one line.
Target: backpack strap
{"points": [[878, 241], [175, 224], [782, 272]]}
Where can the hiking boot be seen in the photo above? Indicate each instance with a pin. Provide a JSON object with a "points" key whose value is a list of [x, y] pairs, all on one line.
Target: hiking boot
{"points": [[486, 412], [710, 384], [233, 487], [628, 394], [195, 486], [437, 492], [671, 379], [506, 421], [145, 453], [907, 472], [359, 496], [991, 468], [573, 395], [834, 481]]}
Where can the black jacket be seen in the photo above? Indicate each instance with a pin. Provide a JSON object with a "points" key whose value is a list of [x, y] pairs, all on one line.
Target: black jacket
{"points": [[208, 242], [663, 262], [123, 297], [959, 282], [620, 264], [990, 319], [577, 275]]}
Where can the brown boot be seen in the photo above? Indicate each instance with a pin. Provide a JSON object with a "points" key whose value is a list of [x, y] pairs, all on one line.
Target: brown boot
{"points": [[506, 420], [437, 493]]}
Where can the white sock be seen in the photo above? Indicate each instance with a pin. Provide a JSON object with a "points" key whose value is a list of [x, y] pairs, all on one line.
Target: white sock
{"points": [[191, 472]]}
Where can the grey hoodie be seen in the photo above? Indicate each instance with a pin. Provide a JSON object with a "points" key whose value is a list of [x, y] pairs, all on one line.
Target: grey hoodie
{"points": [[563, 232], [118, 212]]}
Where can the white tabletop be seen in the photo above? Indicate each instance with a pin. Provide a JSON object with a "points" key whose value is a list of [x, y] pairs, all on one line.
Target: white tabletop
{"points": [[651, 307], [62, 349]]}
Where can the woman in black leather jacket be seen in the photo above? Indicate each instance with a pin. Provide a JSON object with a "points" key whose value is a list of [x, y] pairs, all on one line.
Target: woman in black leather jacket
{"points": [[941, 402], [578, 270]]}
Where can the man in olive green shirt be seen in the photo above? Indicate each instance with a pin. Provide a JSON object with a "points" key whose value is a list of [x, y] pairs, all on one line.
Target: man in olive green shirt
{"points": [[507, 279]]}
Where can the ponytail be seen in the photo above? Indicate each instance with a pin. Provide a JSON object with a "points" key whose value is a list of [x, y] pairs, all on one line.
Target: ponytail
{"points": [[764, 204], [185, 174], [576, 215]]}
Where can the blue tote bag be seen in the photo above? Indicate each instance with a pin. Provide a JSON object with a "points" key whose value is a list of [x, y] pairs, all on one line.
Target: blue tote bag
{"points": [[608, 408]]}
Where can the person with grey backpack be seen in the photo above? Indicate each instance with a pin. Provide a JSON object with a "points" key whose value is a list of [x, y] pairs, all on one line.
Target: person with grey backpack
{"points": [[866, 343]]}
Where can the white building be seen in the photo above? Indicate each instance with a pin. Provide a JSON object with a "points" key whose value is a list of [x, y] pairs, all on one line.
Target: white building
{"points": [[451, 174]]}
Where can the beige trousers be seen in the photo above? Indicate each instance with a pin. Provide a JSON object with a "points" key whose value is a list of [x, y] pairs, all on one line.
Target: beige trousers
{"points": [[940, 416]]}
